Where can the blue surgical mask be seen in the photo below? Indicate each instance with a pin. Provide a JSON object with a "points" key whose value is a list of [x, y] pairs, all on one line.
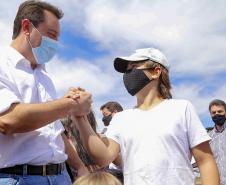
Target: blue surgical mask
{"points": [[46, 51]]}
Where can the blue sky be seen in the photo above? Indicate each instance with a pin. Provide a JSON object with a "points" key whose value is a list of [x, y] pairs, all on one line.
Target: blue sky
{"points": [[190, 33], [77, 45]]}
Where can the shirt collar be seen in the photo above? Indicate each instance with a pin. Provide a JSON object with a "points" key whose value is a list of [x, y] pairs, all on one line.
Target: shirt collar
{"points": [[15, 56], [18, 58], [221, 130]]}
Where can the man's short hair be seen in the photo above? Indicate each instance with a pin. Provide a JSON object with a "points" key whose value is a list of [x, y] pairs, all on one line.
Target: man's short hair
{"points": [[33, 10], [217, 102], [112, 106]]}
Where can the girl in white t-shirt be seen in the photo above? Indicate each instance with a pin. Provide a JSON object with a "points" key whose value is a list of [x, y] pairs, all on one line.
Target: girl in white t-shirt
{"points": [[156, 138]]}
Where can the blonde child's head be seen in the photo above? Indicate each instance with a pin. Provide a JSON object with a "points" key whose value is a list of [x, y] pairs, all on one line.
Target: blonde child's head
{"points": [[97, 178]]}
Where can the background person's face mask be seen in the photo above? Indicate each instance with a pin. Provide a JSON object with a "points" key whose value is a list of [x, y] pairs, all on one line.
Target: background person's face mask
{"points": [[135, 80], [107, 119], [46, 51], [219, 119]]}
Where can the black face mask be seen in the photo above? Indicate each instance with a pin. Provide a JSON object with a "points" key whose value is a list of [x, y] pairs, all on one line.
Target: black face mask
{"points": [[219, 119], [107, 119], [135, 80]]}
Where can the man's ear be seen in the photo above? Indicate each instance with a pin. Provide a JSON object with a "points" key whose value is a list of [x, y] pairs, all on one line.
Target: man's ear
{"points": [[25, 26]]}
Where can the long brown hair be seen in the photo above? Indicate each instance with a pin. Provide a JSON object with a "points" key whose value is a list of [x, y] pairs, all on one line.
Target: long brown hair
{"points": [[164, 85], [73, 134]]}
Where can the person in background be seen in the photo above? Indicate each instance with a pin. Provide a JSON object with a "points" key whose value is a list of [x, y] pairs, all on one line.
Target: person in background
{"points": [[108, 110], [158, 137], [217, 109], [97, 178], [73, 135], [33, 147]]}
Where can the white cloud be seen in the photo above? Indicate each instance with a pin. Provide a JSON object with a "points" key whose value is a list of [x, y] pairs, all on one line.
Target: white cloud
{"points": [[220, 92], [192, 92], [80, 73], [191, 34], [9, 9], [134, 22], [6, 34]]}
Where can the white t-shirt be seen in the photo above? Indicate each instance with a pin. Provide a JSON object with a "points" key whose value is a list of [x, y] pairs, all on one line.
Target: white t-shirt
{"points": [[20, 83], [155, 144]]}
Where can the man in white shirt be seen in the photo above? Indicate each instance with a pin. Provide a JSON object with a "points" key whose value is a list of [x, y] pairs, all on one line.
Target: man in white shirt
{"points": [[108, 110], [32, 144]]}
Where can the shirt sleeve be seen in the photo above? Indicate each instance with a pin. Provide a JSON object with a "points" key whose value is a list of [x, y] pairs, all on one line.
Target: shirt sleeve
{"points": [[113, 130], [7, 94], [197, 134], [59, 126]]}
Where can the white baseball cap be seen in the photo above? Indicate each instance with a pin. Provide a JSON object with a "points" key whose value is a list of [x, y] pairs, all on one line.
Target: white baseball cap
{"points": [[120, 63]]}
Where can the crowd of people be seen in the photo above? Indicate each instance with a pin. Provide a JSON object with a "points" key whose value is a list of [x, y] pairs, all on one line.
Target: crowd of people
{"points": [[47, 140]]}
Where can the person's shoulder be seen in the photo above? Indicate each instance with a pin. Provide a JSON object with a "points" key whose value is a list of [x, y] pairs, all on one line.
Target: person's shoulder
{"points": [[179, 105], [6, 53], [10, 53], [3, 55], [121, 116], [126, 112], [179, 102], [4, 61]]}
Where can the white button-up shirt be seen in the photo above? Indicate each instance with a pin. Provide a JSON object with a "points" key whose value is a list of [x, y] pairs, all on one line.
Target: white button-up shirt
{"points": [[20, 83]]}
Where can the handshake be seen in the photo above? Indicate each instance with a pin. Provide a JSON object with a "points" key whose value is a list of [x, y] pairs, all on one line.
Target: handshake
{"points": [[80, 101]]}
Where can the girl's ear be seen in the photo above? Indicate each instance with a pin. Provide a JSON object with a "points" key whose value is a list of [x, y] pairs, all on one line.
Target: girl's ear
{"points": [[156, 72]]}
